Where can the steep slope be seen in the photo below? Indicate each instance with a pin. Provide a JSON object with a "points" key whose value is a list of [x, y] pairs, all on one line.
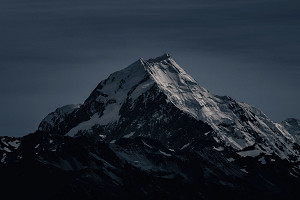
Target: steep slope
{"points": [[128, 104], [8, 145], [238, 124], [158, 99], [293, 127], [53, 119]]}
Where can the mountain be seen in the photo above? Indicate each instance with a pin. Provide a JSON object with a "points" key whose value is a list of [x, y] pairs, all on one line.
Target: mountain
{"points": [[150, 131], [146, 98]]}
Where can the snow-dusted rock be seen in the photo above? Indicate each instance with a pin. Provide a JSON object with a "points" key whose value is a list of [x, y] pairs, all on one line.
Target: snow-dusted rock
{"points": [[293, 127], [56, 117]]}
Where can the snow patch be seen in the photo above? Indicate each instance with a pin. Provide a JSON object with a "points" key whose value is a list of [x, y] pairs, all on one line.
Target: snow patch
{"points": [[15, 143], [184, 146], [128, 135], [102, 136], [244, 170], [86, 125], [293, 175], [147, 145], [7, 149], [251, 153], [262, 160], [164, 153], [3, 158], [4, 142], [218, 149]]}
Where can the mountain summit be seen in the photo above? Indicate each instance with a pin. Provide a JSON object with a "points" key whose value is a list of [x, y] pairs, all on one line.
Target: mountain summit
{"points": [[150, 131], [145, 99]]}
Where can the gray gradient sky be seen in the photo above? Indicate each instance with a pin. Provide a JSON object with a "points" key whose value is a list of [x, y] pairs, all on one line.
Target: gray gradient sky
{"points": [[54, 52]]}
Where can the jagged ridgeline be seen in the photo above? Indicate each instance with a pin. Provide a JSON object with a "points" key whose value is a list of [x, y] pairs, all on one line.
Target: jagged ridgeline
{"points": [[150, 131]]}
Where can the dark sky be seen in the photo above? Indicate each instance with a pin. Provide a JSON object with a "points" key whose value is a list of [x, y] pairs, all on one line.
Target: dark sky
{"points": [[54, 52]]}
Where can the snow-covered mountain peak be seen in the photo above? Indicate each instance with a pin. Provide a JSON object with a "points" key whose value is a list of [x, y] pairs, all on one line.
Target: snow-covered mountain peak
{"points": [[54, 118], [161, 58], [135, 79], [135, 101]]}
